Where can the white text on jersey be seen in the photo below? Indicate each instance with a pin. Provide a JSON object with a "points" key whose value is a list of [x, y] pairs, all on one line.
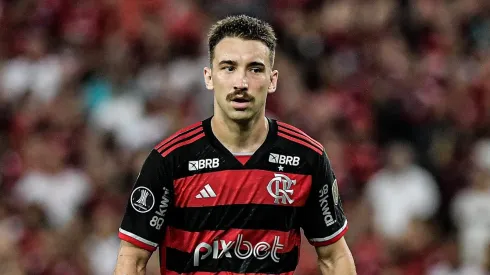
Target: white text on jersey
{"points": [[327, 215], [195, 165], [282, 159], [159, 218], [222, 248]]}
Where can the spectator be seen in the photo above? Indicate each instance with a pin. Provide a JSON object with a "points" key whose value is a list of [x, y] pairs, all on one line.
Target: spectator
{"points": [[102, 242], [88, 87], [401, 192], [49, 182], [471, 208], [451, 262]]}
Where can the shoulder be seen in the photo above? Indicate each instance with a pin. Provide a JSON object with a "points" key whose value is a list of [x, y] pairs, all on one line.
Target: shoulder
{"points": [[182, 138], [294, 143], [298, 138]]}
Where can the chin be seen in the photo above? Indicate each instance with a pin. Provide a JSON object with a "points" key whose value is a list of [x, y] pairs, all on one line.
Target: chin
{"points": [[241, 116]]}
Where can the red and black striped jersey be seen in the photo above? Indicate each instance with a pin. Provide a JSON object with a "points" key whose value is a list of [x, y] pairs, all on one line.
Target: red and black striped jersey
{"points": [[208, 212]]}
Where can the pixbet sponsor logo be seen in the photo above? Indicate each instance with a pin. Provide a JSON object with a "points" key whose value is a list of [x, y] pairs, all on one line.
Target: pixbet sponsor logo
{"points": [[241, 249], [159, 218], [324, 195]]}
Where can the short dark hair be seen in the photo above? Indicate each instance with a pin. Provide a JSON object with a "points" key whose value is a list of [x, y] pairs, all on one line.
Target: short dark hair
{"points": [[244, 27]]}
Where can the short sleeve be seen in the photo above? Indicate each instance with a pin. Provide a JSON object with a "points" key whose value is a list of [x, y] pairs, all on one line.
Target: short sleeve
{"points": [[324, 221], [151, 198]]}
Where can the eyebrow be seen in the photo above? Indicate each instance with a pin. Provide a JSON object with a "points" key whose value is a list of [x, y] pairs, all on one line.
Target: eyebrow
{"points": [[234, 63], [256, 63], [227, 62]]}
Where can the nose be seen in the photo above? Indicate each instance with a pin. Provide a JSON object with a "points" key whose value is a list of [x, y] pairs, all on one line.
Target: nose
{"points": [[241, 84]]}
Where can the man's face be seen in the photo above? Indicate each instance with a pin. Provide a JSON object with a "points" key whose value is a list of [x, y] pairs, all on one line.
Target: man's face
{"points": [[241, 77]]}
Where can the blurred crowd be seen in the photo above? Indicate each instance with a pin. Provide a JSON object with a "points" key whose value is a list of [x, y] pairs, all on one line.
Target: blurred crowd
{"points": [[398, 92]]}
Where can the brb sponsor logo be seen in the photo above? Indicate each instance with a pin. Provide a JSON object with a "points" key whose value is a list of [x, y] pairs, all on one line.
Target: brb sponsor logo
{"points": [[159, 218], [324, 195], [282, 159], [239, 248], [195, 165]]}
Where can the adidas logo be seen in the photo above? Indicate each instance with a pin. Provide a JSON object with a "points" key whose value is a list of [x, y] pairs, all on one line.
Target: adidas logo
{"points": [[207, 192]]}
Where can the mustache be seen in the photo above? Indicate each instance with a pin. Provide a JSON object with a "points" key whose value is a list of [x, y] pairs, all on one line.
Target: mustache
{"points": [[241, 94]]}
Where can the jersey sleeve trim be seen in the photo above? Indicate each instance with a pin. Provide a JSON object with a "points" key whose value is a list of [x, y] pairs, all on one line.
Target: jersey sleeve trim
{"points": [[332, 238], [137, 240], [297, 132], [177, 135], [304, 143], [179, 144]]}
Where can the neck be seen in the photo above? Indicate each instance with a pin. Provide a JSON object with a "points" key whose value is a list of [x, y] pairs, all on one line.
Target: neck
{"points": [[240, 137]]}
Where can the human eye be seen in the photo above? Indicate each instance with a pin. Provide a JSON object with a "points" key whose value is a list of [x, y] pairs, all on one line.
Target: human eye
{"points": [[256, 70], [228, 68]]}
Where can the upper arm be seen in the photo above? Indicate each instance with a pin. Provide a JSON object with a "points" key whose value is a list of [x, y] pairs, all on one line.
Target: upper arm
{"points": [[145, 218], [336, 258], [324, 222], [333, 251]]}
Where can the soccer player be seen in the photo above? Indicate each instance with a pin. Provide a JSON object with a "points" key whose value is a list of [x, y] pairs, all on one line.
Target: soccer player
{"points": [[231, 193]]}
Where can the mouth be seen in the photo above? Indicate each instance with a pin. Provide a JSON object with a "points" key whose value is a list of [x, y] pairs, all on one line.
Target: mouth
{"points": [[240, 103], [240, 100]]}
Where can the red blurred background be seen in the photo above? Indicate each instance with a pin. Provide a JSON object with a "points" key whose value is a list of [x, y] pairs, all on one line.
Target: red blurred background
{"points": [[398, 92]]}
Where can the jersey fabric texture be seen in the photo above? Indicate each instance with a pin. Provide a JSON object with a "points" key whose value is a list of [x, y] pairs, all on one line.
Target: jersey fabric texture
{"points": [[208, 212]]}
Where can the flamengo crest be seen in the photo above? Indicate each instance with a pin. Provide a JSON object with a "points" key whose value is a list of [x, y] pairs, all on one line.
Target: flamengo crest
{"points": [[280, 189]]}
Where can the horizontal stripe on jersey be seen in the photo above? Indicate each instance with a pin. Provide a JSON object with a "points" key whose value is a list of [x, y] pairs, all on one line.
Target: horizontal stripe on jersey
{"points": [[187, 241], [183, 262], [242, 187], [169, 272], [251, 216]]}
